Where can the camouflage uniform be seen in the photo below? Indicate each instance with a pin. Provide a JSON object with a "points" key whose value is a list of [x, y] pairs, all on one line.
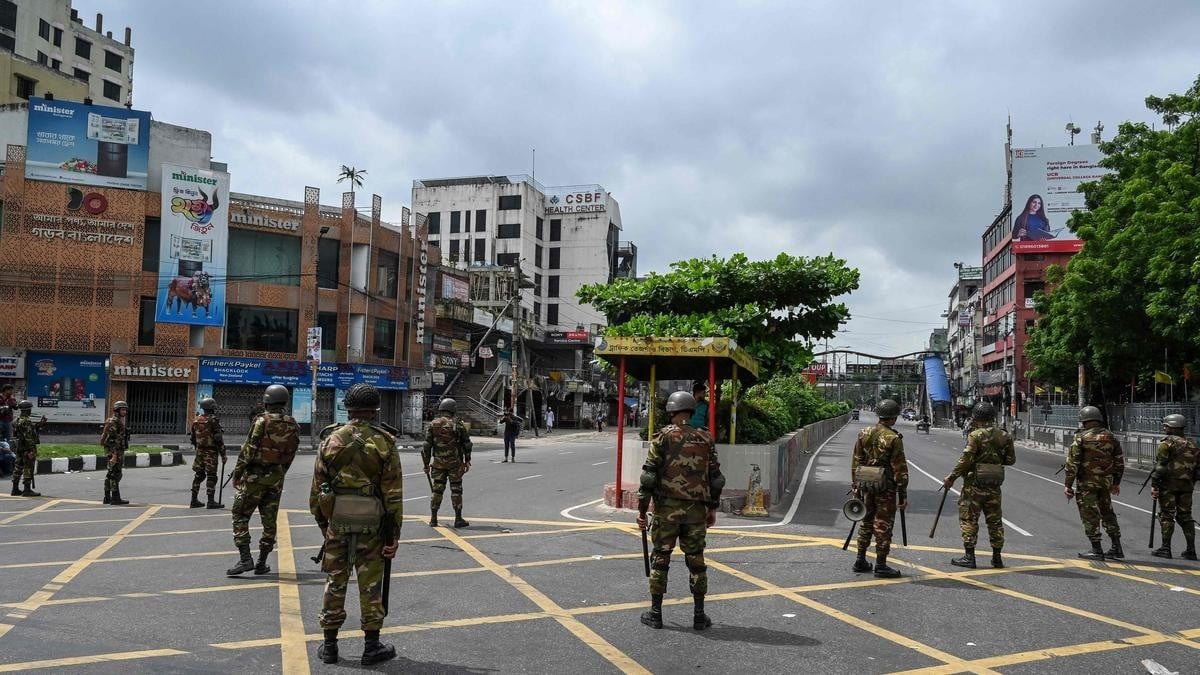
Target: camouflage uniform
{"points": [[356, 458], [1096, 462], [880, 445], [985, 445], [115, 439], [447, 452], [25, 432], [262, 464], [209, 439], [1174, 479]]}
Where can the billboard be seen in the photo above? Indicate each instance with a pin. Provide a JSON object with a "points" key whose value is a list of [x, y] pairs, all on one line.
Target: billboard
{"points": [[193, 244], [1046, 193], [97, 145], [455, 288], [68, 388]]}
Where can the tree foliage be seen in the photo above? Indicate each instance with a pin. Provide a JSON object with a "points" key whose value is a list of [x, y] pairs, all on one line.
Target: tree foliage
{"points": [[1133, 292], [771, 307]]}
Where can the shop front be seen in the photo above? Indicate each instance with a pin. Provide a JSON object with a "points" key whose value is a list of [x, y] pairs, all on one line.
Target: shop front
{"points": [[158, 390]]}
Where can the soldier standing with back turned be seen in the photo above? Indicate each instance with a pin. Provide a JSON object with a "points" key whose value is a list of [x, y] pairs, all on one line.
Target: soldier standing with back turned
{"points": [[880, 473], [981, 466], [1175, 471], [209, 440], [1095, 464], [446, 456], [25, 432], [115, 439]]}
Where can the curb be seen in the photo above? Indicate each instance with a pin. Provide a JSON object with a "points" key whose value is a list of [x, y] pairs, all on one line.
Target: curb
{"points": [[100, 462]]}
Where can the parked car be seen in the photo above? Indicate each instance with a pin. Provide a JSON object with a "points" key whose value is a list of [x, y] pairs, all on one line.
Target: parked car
{"points": [[854, 414]]}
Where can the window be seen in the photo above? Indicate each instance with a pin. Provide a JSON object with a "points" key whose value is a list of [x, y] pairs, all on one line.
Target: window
{"points": [[8, 15], [384, 344], [112, 90], [387, 274], [510, 203], [480, 250], [998, 265], [555, 229], [43, 29], [404, 346], [555, 258], [329, 252], [82, 75], [454, 244], [510, 231], [537, 255], [43, 59], [83, 49], [24, 87], [150, 245], [112, 61], [58, 37], [56, 64], [435, 223], [552, 286], [537, 284], [537, 312], [466, 221], [260, 329], [8, 42], [538, 230], [551, 315], [481, 220], [264, 257], [507, 259], [146, 310], [455, 222], [327, 322]]}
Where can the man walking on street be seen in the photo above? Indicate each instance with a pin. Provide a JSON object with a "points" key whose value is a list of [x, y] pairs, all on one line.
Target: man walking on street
{"points": [[981, 466], [549, 420], [1095, 464], [447, 456], [1175, 470], [512, 429], [115, 440], [209, 440], [880, 473]]}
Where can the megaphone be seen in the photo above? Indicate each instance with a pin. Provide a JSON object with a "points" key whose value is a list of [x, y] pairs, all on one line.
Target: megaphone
{"points": [[854, 509]]}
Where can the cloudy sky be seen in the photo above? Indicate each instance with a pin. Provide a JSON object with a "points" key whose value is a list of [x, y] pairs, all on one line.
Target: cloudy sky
{"points": [[865, 129]]}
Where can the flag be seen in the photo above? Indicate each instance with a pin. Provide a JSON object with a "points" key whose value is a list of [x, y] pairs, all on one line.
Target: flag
{"points": [[1162, 378], [1059, 390], [1038, 390]]}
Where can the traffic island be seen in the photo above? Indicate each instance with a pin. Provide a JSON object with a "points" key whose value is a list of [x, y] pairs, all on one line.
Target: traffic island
{"points": [[133, 460]]}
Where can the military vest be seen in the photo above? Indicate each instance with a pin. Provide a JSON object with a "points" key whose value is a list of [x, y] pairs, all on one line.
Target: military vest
{"points": [[444, 431], [204, 431], [685, 463], [991, 445], [1181, 463], [1097, 448], [280, 439], [115, 436]]}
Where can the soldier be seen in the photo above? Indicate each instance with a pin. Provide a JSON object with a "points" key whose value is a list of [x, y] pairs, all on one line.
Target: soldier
{"points": [[981, 466], [209, 441], [1175, 470], [1096, 463], [25, 431], [447, 456], [115, 441], [258, 478], [880, 474], [684, 478], [357, 497]]}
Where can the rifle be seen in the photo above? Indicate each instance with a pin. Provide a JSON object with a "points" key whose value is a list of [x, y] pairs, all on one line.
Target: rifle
{"points": [[945, 491], [320, 553], [1061, 469], [1153, 513], [1146, 482], [645, 552]]}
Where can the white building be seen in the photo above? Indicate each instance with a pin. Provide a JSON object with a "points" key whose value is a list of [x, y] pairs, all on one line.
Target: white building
{"points": [[51, 33], [560, 237], [964, 323]]}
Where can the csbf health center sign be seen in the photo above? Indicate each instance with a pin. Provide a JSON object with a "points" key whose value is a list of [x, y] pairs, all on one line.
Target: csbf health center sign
{"points": [[97, 145], [193, 247]]}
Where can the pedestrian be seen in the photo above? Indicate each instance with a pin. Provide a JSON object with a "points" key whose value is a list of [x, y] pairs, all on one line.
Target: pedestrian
{"points": [[8, 404], [262, 464], [880, 473], [683, 477], [209, 440], [599, 417], [115, 441], [25, 433], [447, 456], [700, 415], [8, 459], [357, 497], [1095, 464], [981, 466], [512, 429], [549, 420], [1175, 472]]}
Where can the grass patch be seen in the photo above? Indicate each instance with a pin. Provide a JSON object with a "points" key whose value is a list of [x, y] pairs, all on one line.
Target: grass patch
{"points": [[78, 449]]}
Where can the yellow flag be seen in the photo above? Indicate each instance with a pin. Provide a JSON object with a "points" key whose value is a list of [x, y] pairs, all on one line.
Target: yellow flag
{"points": [[1163, 378], [1038, 390], [1059, 390]]}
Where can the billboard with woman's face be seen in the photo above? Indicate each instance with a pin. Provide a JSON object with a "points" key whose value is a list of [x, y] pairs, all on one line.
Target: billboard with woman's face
{"points": [[1046, 192]]}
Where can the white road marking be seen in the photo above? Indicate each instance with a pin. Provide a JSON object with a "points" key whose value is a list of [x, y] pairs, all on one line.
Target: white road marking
{"points": [[600, 463], [536, 475], [939, 482], [566, 513], [1051, 480], [409, 499], [418, 473], [567, 452]]}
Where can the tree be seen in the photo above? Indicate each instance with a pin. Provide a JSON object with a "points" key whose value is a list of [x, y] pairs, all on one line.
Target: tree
{"points": [[1133, 292], [773, 308], [355, 176]]}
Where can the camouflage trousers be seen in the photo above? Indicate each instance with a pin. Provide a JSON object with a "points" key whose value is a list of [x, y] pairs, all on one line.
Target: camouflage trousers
{"points": [[205, 468], [25, 466], [1095, 506], [266, 500], [439, 477], [116, 469], [1176, 506], [878, 520], [691, 538], [974, 501], [368, 569]]}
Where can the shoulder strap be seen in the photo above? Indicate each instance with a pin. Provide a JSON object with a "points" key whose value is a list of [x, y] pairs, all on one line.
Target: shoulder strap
{"points": [[345, 456]]}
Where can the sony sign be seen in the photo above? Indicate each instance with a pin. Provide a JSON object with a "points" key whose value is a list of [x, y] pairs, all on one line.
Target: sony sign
{"points": [[262, 221], [422, 272]]}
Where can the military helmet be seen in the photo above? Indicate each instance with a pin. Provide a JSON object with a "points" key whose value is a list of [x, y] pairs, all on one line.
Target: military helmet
{"points": [[1090, 413], [1175, 421], [120, 405], [983, 411], [361, 396], [25, 405], [208, 404], [887, 408], [448, 405], [276, 394], [680, 401]]}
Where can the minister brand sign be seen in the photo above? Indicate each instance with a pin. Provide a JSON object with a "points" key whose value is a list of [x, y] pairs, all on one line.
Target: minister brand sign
{"points": [[153, 369]]}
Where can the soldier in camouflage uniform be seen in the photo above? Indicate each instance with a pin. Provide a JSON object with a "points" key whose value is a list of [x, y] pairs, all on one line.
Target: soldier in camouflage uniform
{"points": [[115, 440], [258, 478], [986, 446], [683, 477], [1176, 466], [25, 432], [880, 446], [1095, 464], [209, 441], [446, 456], [359, 465]]}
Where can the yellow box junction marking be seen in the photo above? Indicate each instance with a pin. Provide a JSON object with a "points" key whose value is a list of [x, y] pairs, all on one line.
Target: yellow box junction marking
{"points": [[291, 623], [30, 512]]}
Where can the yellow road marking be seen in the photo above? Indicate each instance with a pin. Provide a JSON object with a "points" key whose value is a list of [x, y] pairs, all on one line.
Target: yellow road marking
{"points": [[30, 512], [89, 660], [1044, 654], [291, 625], [1134, 577]]}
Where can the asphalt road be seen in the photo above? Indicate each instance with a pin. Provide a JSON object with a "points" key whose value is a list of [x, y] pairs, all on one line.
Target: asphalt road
{"points": [[545, 580]]}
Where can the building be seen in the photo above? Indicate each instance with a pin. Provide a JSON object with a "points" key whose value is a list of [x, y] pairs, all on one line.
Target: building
{"points": [[48, 49], [963, 323]]}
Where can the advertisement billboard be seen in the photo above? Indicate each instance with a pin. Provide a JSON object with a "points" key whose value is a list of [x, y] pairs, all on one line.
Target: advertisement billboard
{"points": [[455, 288], [68, 388], [1046, 193], [72, 142], [194, 241]]}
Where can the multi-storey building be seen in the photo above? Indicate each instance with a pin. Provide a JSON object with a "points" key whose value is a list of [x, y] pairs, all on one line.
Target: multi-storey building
{"points": [[963, 321]]}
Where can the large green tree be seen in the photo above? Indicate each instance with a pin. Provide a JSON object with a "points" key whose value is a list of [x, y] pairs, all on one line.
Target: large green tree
{"points": [[1133, 293], [773, 308]]}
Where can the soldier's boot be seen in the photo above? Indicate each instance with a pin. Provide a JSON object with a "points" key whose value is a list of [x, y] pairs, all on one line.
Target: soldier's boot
{"points": [[262, 567], [882, 570], [375, 651], [1163, 551], [967, 559], [16, 491], [107, 496], [1097, 552], [433, 517], [1189, 553], [700, 620], [328, 651], [1115, 551], [997, 561], [653, 618], [213, 503], [196, 503], [244, 564], [116, 497], [458, 519], [861, 564], [28, 491]]}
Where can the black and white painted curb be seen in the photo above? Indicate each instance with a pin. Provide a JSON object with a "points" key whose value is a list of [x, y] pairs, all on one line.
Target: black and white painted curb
{"points": [[100, 462]]}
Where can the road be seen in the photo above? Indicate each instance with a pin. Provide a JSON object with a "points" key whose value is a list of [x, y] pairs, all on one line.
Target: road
{"points": [[546, 580]]}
